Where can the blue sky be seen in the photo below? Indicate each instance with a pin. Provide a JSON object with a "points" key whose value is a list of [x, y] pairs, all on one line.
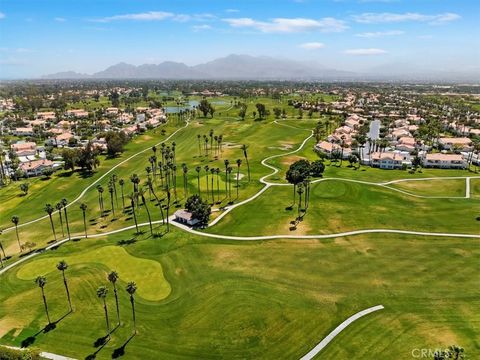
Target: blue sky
{"points": [[45, 36]]}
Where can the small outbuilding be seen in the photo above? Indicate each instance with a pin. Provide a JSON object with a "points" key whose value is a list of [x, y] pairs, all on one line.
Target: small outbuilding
{"points": [[185, 217]]}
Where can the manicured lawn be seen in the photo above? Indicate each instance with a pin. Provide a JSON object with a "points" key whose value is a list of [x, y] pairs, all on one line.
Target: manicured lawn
{"points": [[475, 188], [269, 300], [337, 206], [440, 187]]}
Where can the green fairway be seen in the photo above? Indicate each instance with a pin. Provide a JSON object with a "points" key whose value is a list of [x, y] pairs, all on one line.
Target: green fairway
{"points": [[147, 274], [337, 206], [434, 188], [270, 300]]}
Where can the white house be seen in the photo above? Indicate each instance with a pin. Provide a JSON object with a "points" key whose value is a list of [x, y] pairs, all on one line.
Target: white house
{"points": [[389, 160], [185, 217], [444, 161]]}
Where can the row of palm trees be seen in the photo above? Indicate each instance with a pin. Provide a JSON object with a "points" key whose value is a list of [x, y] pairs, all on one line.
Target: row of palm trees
{"points": [[102, 292]]}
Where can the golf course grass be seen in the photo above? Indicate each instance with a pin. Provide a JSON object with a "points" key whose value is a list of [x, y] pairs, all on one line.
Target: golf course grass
{"points": [[205, 298], [337, 206], [269, 300]]}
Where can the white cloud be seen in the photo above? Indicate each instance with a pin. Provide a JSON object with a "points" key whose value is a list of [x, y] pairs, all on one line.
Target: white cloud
{"points": [[202, 27], [312, 45], [146, 16], [380, 33], [289, 25], [365, 51], [60, 19], [2, 15], [231, 11], [375, 18]]}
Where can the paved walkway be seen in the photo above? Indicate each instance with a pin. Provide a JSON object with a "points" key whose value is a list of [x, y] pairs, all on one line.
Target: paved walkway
{"points": [[314, 352]]}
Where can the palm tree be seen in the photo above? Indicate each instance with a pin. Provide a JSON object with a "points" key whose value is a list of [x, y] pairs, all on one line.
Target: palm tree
{"points": [[229, 177], [121, 182], [142, 195], [49, 210], [59, 207], [212, 171], [217, 172], [300, 192], [41, 281], [102, 292], [131, 289], [198, 169], [206, 168], [135, 181], [244, 149], [185, 180], [113, 181], [83, 207], [100, 197], [15, 221], [111, 191], [62, 266], [113, 277], [226, 162], [239, 162], [199, 145], [64, 204], [132, 204]]}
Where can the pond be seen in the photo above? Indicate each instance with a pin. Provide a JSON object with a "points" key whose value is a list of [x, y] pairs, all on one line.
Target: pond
{"points": [[176, 109]]}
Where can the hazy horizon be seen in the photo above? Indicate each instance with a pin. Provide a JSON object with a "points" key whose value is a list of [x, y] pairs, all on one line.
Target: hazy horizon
{"points": [[39, 38]]}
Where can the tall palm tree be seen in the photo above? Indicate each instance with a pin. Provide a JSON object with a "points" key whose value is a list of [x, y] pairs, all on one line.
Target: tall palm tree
{"points": [[59, 207], [113, 181], [239, 162], [142, 195], [100, 197], [62, 266], [207, 168], [199, 145], [121, 182], [244, 149], [217, 172], [212, 172], [83, 207], [185, 180], [64, 204], [132, 204], [131, 289], [198, 169], [229, 177], [49, 210], [15, 221], [300, 191], [113, 277], [135, 181], [41, 281], [102, 292], [111, 191], [226, 163]]}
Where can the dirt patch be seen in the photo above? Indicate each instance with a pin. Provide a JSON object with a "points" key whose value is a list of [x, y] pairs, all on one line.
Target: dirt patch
{"points": [[287, 160], [7, 324]]}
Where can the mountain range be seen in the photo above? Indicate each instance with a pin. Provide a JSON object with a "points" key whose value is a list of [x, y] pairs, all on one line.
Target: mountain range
{"points": [[245, 67]]}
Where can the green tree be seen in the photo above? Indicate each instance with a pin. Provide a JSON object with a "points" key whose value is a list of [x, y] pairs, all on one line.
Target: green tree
{"points": [[102, 292], [49, 210], [15, 221], [199, 208], [24, 188], [131, 289], [113, 278], [62, 266], [83, 207], [41, 281], [64, 203]]}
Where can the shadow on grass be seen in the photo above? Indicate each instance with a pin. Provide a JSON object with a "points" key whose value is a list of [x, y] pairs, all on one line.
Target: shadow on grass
{"points": [[49, 327], [120, 351], [126, 242]]}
